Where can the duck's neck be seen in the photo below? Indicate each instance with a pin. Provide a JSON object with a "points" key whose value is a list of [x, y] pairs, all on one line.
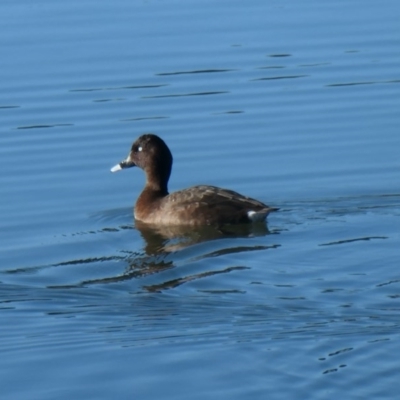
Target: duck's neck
{"points": [[157, 190], [156, 182], [157, 177], [149, 199]]}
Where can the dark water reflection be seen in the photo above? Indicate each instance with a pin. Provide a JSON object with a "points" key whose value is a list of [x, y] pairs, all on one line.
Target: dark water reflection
{"points": [[161, 243], [173, 238]]}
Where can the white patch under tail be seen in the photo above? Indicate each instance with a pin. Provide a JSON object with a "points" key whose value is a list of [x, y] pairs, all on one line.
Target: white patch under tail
{"points": [[257, 216]]}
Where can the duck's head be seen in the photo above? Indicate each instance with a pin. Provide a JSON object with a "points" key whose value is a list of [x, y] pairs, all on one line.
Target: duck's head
{"points": [[150, 153]]}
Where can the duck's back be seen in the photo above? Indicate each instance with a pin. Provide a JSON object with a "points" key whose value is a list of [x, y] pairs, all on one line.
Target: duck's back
{"points": [[203, 205]]}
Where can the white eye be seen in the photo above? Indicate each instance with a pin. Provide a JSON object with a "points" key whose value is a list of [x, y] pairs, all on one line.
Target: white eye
{"points": [[140, 148]]}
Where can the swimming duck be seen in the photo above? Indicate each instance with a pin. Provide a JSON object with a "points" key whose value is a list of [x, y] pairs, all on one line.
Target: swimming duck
{"points": [[196, 206]]}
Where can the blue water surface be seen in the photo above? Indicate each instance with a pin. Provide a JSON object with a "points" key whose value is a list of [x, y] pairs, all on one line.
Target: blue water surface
{"points": [[293, 103]]}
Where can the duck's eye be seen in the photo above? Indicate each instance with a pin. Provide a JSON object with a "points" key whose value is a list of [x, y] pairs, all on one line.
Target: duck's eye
{"points": [[139, 148]]}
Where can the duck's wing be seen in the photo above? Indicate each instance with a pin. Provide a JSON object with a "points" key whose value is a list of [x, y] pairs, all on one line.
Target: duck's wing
{"points": [[216, 205]]}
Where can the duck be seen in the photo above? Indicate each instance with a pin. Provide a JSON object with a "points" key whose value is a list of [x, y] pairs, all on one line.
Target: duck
{"points": [[195, 206]]}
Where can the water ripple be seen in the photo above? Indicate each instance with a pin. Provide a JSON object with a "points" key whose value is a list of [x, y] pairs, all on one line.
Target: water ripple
{"points": [[200, 71], [367, 238], [185, 94]]}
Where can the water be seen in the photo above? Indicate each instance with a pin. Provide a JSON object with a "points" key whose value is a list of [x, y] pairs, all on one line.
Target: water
{"points": [[295, 104]]}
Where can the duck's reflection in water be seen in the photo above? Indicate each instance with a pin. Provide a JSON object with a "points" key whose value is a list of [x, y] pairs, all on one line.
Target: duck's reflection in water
{"points": [[163, 246], [167, 239]]}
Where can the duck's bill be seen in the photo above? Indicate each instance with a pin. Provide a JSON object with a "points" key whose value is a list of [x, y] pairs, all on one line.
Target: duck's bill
{"points": [[122, 165]]}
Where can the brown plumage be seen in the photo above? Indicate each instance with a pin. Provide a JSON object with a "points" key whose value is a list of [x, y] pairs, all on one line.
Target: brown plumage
{"points": [[198, 205]]}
